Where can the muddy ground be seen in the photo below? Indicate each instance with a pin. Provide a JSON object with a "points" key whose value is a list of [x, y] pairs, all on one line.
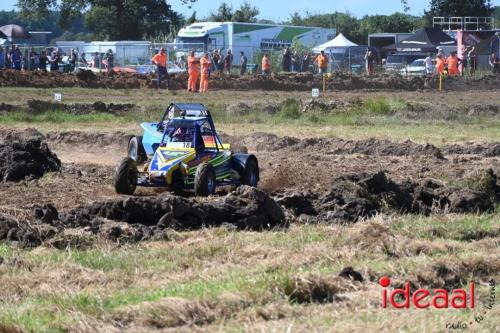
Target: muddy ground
{"points": [[276, 81], [313, 180]]}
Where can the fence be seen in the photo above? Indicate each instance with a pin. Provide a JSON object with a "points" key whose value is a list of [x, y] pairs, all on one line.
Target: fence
{"points": [[135, 56]]}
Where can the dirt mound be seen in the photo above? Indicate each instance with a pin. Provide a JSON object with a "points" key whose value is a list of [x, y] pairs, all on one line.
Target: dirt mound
{"points": [[37, 106], [334, 146], [483, 149], [21, 159], [67, 137], [276, 81], [141, 218], [80, 137], [10, 135], [355, 197]]}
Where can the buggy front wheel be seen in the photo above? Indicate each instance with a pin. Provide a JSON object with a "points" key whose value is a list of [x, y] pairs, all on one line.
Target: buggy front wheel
{"points": [[125, 177]]}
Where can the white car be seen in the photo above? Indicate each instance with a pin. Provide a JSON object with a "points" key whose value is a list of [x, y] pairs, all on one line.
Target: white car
{"points": [[416, 68]]}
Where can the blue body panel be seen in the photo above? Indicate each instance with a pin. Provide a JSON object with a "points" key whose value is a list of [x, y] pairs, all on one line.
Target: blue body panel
{"points": [[150, 137]]}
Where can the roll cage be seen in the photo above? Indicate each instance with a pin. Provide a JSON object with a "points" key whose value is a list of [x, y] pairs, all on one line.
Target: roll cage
{"points": [[189, 115]]}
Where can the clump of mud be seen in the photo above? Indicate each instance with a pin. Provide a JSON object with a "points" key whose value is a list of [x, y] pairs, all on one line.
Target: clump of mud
{"points": [[360, 196], [29, 158], [141, 218]]}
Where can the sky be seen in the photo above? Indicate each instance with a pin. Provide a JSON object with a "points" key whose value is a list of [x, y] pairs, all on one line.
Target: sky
{"points": [[280, 10]]}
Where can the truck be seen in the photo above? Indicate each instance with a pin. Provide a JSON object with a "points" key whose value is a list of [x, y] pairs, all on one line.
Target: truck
{"points": [[246, 37]]}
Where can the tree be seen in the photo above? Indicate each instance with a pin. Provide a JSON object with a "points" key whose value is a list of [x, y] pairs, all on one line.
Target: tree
{"points": [[224, 13], [460, 8], [496, 13], [113, 19], [192, 19], [246, 13]]}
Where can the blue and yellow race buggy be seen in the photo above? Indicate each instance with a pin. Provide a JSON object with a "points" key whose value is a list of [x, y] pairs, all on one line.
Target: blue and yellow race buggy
{"points": [[187, 154]]}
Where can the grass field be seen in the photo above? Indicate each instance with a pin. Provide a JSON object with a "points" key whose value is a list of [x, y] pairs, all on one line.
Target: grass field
{"points": [[284, 280], [378, 115], [218, 280]]}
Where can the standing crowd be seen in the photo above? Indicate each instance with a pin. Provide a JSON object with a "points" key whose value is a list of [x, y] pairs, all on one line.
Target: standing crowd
{"points": [[455, 66], [13, 58]]}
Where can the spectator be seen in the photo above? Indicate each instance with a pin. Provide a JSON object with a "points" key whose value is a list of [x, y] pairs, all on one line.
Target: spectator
{"points": [[472, 56], [440, 63], [228, 61], [84, 60], [295, 62], [2, 58], [160, 60], [193, 71], [494, 62], [217, 60], [243, 63], [453, 62], [429, 66], [96, 60], [73, 58], [55, 58], [34, 59], [266, 64], [440, 52], [15, 57], [25, 61], [287, 58], [306, 62], [44, 60], [322, 61], [8, 63], [108, 60], [369, 62], [205, 64], [464, 61]]}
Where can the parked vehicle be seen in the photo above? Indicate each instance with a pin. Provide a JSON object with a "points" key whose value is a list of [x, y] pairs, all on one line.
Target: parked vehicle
{"points": [[416, 68], [397, 61], [246, 37]]}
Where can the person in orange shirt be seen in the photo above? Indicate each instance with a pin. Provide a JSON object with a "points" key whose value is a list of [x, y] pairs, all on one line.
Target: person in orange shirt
{"points": [[440, 64], [193, 71], [453, 62], [205, 63], [266, 64], [160, 60], [322, 61]]}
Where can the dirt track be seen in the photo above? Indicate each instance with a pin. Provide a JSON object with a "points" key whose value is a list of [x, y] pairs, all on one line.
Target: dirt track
{"points": [[313, 180], [282, 82]]}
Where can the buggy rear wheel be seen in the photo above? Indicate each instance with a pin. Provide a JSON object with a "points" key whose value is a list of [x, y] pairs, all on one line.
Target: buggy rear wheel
{"points": [[125, 177], [250, 176]]}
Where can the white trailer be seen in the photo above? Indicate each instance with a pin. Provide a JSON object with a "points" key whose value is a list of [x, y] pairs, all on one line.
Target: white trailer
{"points": [[246, 37]]}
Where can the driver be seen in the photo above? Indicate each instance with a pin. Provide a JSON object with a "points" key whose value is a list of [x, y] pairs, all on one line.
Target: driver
{"points": [[179, 134]]}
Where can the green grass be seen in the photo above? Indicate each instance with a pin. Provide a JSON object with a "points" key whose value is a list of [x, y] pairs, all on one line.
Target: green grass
{"points": [[460, 228], [373, 115], [206, 264]]}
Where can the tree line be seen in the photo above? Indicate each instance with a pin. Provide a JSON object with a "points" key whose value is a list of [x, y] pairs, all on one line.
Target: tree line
{"points": [[156, 20]]}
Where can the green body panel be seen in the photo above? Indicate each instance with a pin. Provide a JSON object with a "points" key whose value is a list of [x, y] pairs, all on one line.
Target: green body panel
{"points": [[289, 33], [239, 28]]}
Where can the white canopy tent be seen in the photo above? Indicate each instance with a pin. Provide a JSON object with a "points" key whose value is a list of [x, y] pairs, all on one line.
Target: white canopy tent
{"points": [[339, 41]]}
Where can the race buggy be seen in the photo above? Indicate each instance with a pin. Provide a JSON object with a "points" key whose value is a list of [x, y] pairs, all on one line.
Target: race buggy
{"points": [[185, 153]]}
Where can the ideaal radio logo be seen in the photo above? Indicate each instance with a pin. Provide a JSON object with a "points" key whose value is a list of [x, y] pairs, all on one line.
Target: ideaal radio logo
{"points": [[421, 298]]}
